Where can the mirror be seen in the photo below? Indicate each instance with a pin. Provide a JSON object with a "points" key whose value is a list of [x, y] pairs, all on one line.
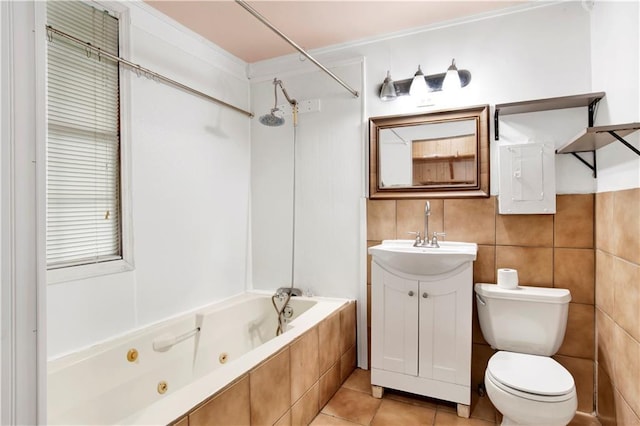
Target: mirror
{"points": [[442, 154]]}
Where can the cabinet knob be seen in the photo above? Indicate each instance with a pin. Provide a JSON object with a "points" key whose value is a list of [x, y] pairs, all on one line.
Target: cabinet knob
{"points": [[410, 293], [425, 295]]}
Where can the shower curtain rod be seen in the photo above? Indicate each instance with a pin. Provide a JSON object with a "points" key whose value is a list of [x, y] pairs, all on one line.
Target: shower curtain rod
{"points": [[264, 20], [147, 72]]}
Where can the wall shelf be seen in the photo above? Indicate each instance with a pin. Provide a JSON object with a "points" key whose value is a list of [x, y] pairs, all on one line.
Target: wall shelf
{"points": [[585, 100], [588, 140], [593, 138]]}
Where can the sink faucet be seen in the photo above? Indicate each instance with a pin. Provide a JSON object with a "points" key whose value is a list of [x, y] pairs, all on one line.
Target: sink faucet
{"points": [[427, 213]]}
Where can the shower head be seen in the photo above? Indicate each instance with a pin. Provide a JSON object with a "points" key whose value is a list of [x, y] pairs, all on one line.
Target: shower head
{"points": [[271, 119]]}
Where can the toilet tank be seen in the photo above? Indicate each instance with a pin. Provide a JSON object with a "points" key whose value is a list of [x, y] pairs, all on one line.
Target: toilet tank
{"points": [[528, 320]]}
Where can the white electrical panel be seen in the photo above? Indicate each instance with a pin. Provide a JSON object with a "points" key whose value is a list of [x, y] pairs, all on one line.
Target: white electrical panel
{"points": [[527, 179]]}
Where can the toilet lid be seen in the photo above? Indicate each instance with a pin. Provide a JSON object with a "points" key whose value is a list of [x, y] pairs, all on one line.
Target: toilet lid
{"points": [[533, 374]]}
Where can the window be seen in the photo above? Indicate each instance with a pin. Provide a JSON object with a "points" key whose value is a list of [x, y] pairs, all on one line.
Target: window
{"points": [[84, 208]]}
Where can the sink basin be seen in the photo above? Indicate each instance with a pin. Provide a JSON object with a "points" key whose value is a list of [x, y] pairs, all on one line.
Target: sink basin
{"points": [[402, 256]]}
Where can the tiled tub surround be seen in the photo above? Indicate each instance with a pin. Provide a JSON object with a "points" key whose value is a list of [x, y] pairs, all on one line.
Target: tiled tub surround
{"points": [[618, 307], [291, 386], [547, 250], [236, 345]]}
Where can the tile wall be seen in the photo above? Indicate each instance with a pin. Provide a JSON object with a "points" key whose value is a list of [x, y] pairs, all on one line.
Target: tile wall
{"points": [[291, 386], [547, 250], [618, 307]]}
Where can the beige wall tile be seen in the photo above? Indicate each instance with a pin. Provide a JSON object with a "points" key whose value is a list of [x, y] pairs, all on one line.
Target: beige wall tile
{"points": [[182, 422], [411, 217], [329, 384], [627, 368], [534, 265], [533, 230], [582, 372], [285, 420], [381, 219], [305, 365], [606, 340], [624, 413], [579, 338], [347, 327], [484, 267], [268, 406], [626, 220], [626, 278], [303, 411], [470, 220], [329, 341], [476, 331], [482, 408], [574, 221], [348, 363], [605, 283], [605, 404], [480, 355], [229, 407], [574, 270], [604, 221]]}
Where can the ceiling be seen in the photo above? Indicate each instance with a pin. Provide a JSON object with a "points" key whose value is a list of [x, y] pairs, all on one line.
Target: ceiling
{"points": [[312, 24]]}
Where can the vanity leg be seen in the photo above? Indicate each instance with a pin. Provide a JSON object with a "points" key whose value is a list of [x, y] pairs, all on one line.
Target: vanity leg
{"points": [[464, 411], [377, 391]]}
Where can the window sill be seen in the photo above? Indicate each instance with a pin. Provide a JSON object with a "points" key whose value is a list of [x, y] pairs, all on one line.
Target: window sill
{"points": [[73, 273]]}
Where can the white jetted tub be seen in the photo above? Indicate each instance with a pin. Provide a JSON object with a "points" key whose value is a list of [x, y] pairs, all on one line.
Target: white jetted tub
{"points": [[129, 381]]}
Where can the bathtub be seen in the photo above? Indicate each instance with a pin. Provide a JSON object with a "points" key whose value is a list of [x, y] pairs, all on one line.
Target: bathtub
{"points": [[127, 381]]}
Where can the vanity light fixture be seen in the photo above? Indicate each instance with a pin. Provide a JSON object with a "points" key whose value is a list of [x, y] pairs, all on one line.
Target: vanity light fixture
{"points": [[452, 78], [420, 85], [388, 91], [419, 88]]}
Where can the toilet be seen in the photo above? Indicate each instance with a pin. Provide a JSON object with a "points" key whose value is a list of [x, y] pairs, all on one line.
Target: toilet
{"points": [[526, 325]]}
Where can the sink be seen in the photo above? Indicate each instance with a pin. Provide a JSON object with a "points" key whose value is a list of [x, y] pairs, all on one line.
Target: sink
{"points": [[402, 256]]}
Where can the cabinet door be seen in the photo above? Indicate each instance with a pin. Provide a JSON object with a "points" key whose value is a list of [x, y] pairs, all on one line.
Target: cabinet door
{"points": [[445, 329], [394, 322]]}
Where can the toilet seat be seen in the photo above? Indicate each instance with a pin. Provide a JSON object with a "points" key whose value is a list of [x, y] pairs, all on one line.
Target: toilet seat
{"points": [[533, 377]]}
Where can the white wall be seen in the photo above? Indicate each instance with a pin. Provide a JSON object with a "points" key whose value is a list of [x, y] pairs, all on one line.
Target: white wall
{"points": [[533, 53], [615, 43], [190, 192], [329, 185]]}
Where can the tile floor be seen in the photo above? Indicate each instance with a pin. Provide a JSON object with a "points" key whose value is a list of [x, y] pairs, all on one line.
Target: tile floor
{"points": [[353, 405]]}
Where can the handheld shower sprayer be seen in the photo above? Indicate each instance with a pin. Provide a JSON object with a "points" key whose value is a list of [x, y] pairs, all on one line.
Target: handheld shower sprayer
{"points": [[273, 120]]}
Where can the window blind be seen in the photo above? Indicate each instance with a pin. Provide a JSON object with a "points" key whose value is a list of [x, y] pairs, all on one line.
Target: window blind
{"points": [[83, 139]]}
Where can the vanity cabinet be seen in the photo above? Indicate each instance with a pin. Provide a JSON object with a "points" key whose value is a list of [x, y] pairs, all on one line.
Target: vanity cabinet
{"points": [[421, 333]]}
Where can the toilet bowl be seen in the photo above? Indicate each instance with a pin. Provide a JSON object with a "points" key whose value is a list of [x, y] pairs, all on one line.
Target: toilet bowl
{"points": [[530, 389]]}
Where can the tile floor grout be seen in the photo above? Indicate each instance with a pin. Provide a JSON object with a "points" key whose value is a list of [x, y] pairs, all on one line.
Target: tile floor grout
{"points": [[429, 407], [397, 408]]}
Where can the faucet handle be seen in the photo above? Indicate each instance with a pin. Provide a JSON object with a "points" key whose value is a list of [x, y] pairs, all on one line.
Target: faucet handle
{"points": [[434, 239], [418, 239]]}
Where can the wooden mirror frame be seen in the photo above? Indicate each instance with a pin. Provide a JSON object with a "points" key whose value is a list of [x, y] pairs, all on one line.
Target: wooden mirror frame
{"points": [[481, 188]]}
